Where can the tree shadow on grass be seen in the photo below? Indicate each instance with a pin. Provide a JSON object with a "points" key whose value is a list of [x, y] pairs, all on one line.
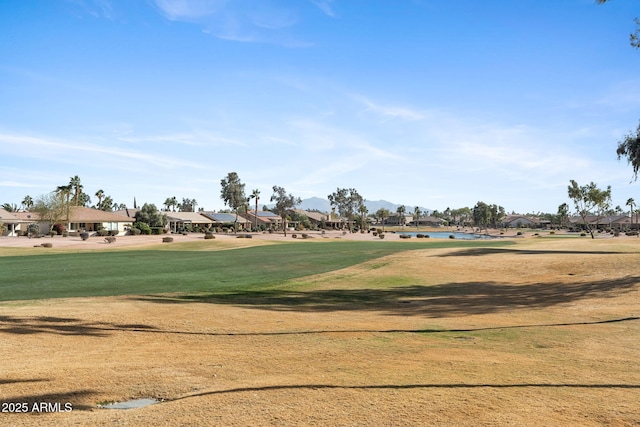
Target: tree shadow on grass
{"points": [[505, 251], [445, 300], [63, 326]]}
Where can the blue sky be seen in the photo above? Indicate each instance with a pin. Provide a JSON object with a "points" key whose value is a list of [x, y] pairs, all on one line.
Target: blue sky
{"points": [[421, 102]]}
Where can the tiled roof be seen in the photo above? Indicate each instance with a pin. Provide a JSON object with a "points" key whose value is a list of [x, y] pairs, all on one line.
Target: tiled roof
{"points": [[79, 214], [8, 217]]}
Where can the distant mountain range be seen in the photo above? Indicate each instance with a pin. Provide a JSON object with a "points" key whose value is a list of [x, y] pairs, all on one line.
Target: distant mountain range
{"points": [[323, 205]]}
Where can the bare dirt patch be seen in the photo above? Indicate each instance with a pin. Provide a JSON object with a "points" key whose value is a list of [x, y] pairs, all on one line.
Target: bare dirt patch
{"points": [[540, 333]]}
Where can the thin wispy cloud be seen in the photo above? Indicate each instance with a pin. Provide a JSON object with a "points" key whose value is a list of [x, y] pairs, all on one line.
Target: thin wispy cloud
{"points": [[189, 10], [38, 147], [240, 20], [388, 111], [325, 6]]}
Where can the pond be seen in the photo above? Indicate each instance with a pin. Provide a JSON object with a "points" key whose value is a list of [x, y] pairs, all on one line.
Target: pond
{"points": [[446, 234]]}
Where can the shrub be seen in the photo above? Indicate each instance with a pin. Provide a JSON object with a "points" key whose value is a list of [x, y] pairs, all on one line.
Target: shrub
{"points": [[47, 245], [143, 227], [552, 232], [519, 233], [426, 236], [135, 231], [405, 236], [294, 236], [583, 234], [381, 235], [375, 233], [59, 228], [53, 233], [110, 239], [33, 229], [420, 236], [65, 234], [114, 232], [84, 235], [209, 235], [167, 239], [451, 236], [157, 230], [102, 232]]}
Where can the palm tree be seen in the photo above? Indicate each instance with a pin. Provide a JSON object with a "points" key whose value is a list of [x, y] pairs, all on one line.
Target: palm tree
{"points": [[363, 211], [64, 191], [9, 207], [382, 213], [100, 196], [631, 203], [76, 186], [401, 212], [255, 194], [174, 203], [27, 202], [417, 213]]}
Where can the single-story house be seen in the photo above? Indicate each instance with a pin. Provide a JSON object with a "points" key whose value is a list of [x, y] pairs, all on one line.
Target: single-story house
{"points": [[618, 222], [11, 223], [428, 221], [268, 220], [395, 219], [80, 218], [320, 219], [516, 221], [89, 219], [225, 219], [181, 220]]}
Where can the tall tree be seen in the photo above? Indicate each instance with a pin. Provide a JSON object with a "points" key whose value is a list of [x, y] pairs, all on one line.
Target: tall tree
{"points": [[255, 194], [629, 147], [382, 214], [482, 215], [27, 203], [150, 215], [631, 203], [10, 207], [347, 201], [232, 193], [417, 213], [188, 205], [363, 211], [100, 196], [563, 214], [52, 207], [497, 214], [76, 187], [64, 191], [106, 204], [401, 211], [589, 199], [167, 203], [284, 204]]}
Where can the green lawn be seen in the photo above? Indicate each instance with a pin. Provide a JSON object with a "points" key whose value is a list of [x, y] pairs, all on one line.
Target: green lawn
{"points": [[188, 271]]}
